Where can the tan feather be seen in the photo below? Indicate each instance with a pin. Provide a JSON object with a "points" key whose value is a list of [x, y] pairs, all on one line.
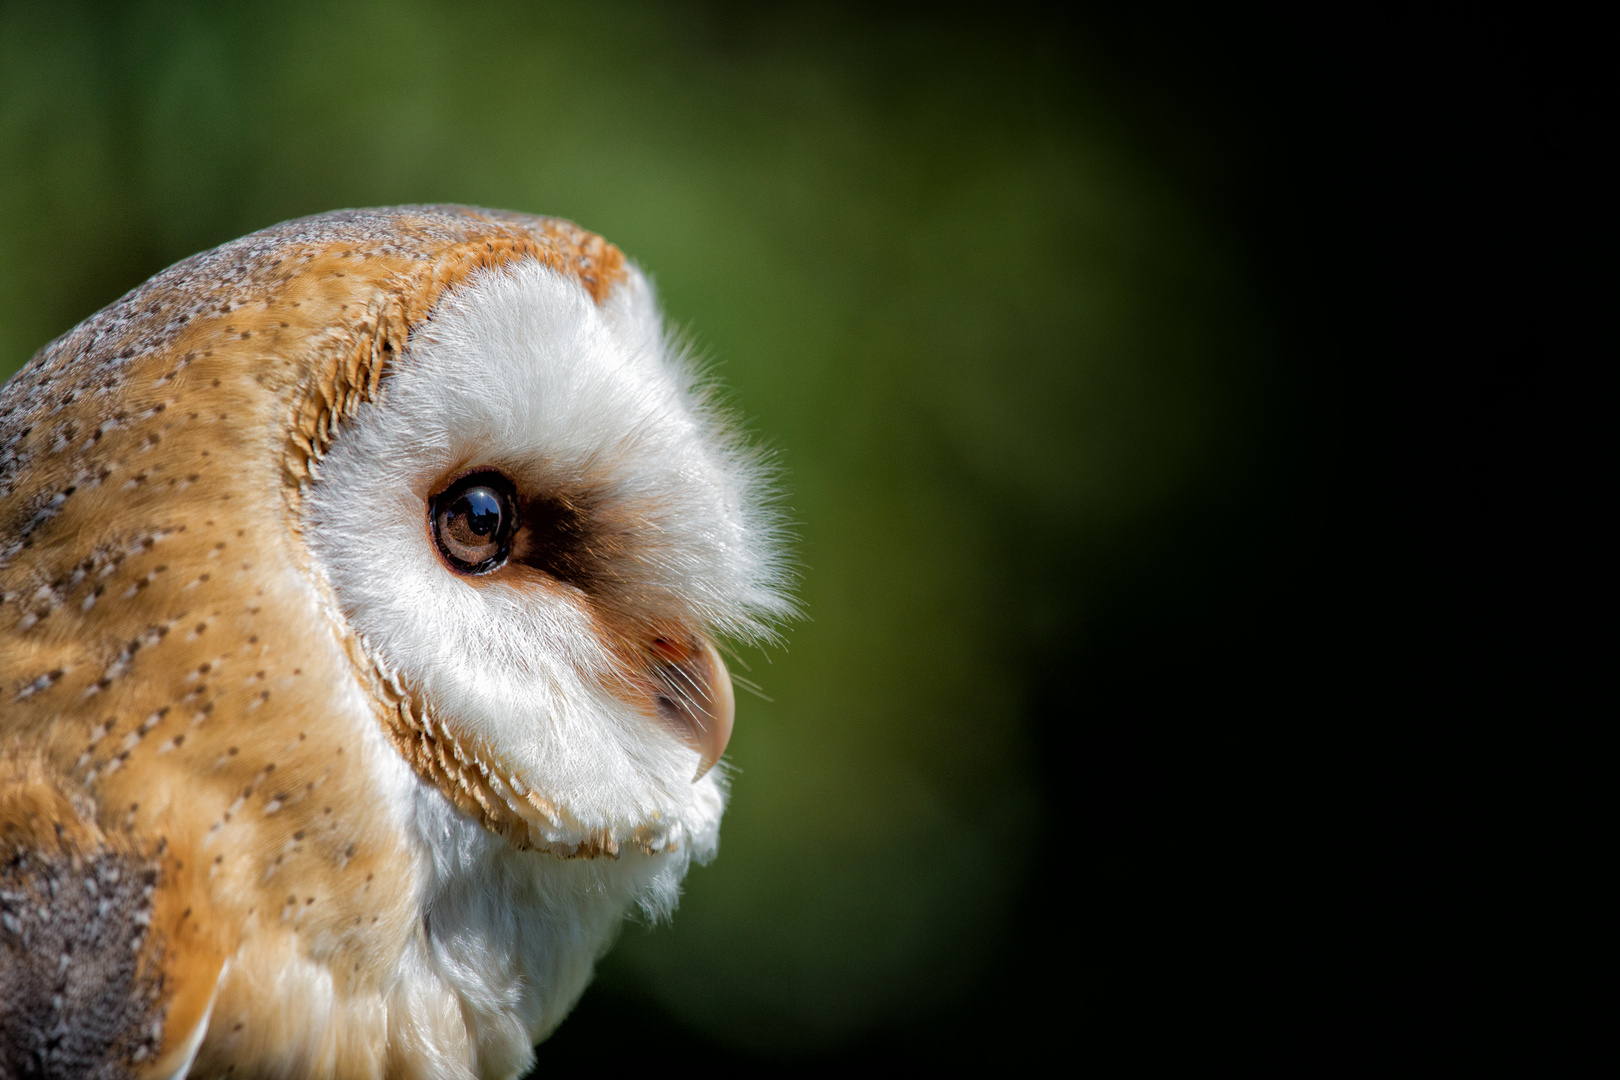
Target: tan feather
{"points": [[161, 691]]}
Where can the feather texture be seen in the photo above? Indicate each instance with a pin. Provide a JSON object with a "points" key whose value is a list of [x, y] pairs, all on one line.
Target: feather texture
{"points": [[390, 813]]}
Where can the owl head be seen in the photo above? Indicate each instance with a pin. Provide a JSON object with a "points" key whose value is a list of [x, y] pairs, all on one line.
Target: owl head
{"points": [[534, 528], [360, 586]]}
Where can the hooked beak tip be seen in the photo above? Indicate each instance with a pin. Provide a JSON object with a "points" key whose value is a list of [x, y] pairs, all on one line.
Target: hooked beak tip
{"points": [[699, 699], [713, 731]]}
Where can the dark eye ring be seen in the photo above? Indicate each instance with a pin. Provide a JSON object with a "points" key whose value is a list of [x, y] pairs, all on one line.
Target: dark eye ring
{"points": [[473, 521]]}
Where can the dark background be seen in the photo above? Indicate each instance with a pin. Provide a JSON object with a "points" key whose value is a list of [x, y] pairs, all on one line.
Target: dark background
{"points": [[1160, 397]]}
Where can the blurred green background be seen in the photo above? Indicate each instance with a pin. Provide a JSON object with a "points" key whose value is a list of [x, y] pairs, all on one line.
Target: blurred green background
{"points": [[1000, 337]]}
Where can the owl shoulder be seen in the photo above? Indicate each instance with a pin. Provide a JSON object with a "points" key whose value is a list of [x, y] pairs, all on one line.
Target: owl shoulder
{"points": [[83, 985]]}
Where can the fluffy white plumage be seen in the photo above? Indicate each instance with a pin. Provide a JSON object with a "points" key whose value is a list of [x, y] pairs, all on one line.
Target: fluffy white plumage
{"points": [[519, 371]]}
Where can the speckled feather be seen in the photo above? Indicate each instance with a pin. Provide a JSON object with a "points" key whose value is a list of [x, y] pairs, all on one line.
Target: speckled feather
{"points": [[157, 674]]}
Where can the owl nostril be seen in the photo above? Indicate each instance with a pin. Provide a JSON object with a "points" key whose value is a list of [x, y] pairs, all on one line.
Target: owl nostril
{"points": [[695, 694]]}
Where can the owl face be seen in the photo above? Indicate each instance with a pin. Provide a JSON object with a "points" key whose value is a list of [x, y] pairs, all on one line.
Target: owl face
{"points": [[533, 529], [360, 584]]}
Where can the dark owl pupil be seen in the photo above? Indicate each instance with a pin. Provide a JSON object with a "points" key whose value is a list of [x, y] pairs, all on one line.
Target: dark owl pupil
{"points": [[473, 521], [481, 509]]}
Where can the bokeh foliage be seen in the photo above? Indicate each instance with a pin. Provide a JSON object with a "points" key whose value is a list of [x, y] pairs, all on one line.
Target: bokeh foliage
{"points": [[989, 343]]}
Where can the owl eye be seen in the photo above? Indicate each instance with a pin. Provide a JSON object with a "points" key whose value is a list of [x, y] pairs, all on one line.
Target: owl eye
{"points": [[473, 521]]}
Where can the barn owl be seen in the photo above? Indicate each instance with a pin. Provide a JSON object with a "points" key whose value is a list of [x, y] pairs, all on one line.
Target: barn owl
{"points": [[359, 589]]}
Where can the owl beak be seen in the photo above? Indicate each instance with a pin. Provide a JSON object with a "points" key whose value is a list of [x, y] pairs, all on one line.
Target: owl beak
{"points": [[720, 711], [699, 697]]}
